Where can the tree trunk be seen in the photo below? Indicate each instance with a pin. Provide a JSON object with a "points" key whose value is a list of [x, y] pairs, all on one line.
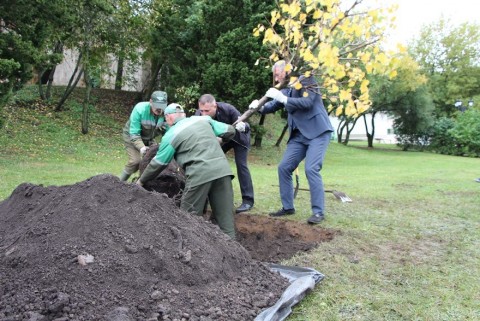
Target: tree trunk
{"points": [[279, 140], [152, 83], [58, 49], [348, 125], [40, 86], [370, 134], [341, 126], [72, 83], [86, 102], [260, 133], [119, 77], [48, 93]]}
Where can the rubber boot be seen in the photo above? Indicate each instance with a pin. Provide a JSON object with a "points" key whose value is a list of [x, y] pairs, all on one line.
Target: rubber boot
{"points": [[124, 176]]}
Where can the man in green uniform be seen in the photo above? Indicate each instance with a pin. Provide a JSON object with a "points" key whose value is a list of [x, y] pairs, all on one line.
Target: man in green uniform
{"points": [[144, 124], [194, 142]]}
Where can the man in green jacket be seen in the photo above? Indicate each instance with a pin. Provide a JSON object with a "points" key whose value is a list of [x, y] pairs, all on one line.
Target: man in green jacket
{"points": [[194, 142], [145, 123]]}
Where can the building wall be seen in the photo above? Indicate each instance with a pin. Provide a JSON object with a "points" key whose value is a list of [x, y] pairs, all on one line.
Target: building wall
{"points": [[134, 78]]}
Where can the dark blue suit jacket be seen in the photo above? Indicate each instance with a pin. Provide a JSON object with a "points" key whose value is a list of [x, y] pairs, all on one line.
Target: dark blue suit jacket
{"points": [[305, 109]]}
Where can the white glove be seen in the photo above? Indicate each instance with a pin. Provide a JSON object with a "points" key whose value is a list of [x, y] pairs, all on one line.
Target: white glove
{"points": [[277, 95], [240, 127], [253, 104], [144, 150]]}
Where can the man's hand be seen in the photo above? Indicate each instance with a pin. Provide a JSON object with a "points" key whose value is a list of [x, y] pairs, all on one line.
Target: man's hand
{"points": [[276, 94], [220, 140], [162, 127], [240, 127], [253, 104], [144, 150]]}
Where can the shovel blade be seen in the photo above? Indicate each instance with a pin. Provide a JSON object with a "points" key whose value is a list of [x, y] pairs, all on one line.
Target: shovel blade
{"points": [[342, 196]]}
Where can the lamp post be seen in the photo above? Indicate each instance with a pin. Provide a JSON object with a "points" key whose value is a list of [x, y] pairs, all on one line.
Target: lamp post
{"points": [[460, 106]]}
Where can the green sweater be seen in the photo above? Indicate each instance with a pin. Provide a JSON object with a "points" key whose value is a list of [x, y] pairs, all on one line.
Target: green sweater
{"points": [[143, 126], [192, 142]]}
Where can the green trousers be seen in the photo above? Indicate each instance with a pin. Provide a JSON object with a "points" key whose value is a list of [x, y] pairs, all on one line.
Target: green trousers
{"points": [[134, 159], [220, 196]]}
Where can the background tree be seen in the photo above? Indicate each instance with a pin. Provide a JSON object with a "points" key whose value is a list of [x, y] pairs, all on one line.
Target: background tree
{"points": [[450, 57], [405, 98], [27, 32], [209, 44], [129, 33], [413, 116]]}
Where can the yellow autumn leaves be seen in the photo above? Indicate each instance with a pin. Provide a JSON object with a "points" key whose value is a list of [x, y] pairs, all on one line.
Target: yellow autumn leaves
{"points": [[340, 47]]}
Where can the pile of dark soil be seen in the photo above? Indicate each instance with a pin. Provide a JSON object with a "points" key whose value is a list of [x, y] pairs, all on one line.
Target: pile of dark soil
{"points": [[151, 261]]}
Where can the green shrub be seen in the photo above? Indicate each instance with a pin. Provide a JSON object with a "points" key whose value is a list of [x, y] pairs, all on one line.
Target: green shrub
{"points": [[440, 139], [466, 133]]}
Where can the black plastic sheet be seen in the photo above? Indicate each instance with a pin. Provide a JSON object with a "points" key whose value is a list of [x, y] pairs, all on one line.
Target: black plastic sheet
{"points": [[302, 281]]}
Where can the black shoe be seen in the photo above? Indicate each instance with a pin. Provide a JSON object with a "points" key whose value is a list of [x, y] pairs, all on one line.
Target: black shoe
{"points": [[477, 180], [244, 208], [315, 219], [283, 212]]}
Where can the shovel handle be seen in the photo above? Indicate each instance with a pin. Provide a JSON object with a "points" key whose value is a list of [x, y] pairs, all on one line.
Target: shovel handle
{"points": [[251, 111]]}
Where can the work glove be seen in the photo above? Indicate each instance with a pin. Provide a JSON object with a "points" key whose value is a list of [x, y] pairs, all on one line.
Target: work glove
{"points": [[143, 150], [276, 94], [254, 104], [240, 127]]}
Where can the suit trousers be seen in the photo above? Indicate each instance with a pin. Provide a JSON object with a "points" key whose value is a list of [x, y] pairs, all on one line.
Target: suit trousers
{"points": [[243, 173], [313, 151]]}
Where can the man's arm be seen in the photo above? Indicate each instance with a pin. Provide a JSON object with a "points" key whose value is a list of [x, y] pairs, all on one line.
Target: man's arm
{"points": [[232, 114], [224, 131], [161, 160], [135, 130]]}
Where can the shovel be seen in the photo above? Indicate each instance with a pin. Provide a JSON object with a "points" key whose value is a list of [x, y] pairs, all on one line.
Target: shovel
{"points": [[338, 195]]}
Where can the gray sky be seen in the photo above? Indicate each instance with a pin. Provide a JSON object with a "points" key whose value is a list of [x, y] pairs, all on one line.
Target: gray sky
{"points": [[413, 14]]}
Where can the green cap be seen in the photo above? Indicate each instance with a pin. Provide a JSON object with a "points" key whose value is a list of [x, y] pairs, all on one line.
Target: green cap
{"points": [[173, 108], [159, 100]]}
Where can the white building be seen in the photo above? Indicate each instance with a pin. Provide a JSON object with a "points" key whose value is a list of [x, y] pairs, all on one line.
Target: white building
{"points": [[134, 78], [383, 129]]}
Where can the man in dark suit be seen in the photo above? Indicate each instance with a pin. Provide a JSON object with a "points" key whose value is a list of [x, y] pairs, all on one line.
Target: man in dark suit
{"points": [[226, 113], [310, 132]]}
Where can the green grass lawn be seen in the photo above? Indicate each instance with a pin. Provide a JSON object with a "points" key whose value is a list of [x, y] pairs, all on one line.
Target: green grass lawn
{"points": [[408, 247]]}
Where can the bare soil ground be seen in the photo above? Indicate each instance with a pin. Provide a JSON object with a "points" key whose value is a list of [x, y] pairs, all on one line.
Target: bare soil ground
{"points": [[151, 261]]}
